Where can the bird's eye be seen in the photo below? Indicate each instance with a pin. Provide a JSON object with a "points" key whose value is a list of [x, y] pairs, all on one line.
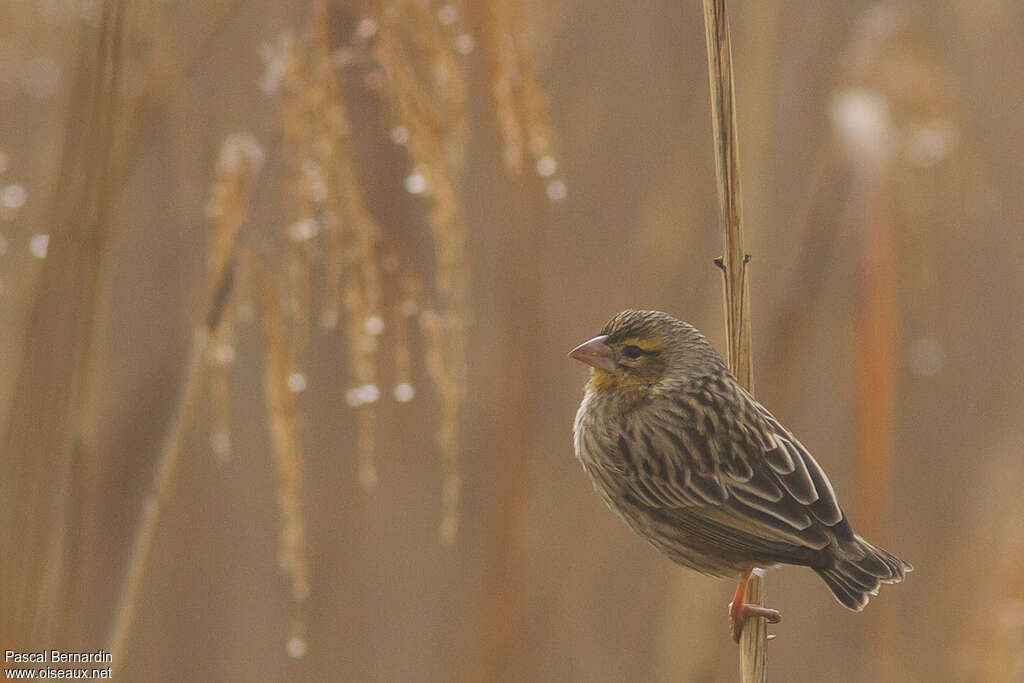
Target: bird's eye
{"points": [[632, 352]]}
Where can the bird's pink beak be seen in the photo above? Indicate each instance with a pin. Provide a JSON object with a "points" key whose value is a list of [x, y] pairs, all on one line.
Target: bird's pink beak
{"points": [[595, 353]]}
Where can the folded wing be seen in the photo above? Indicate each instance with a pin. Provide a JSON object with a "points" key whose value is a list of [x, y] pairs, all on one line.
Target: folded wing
{"points": [[731, 471]]}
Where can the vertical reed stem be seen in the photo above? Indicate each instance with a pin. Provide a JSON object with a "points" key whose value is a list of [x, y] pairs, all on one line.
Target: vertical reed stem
{"points": [[734, 267], [166, 469]]}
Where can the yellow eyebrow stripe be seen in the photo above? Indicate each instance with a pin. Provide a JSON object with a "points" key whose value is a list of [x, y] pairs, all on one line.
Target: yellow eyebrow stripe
{"points": [[645, 343]]}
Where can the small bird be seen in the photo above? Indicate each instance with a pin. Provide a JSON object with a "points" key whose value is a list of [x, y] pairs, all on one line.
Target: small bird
{"points": [[697, 466]]}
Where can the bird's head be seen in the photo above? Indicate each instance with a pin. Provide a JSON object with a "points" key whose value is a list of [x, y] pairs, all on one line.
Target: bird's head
{"points": [[641, 350]]}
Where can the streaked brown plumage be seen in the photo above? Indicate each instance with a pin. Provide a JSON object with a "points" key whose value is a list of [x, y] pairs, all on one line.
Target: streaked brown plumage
{"points": [[694, 464]]}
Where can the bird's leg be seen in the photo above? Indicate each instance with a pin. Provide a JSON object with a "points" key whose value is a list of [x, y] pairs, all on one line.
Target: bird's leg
{"points": [[740, 611]]}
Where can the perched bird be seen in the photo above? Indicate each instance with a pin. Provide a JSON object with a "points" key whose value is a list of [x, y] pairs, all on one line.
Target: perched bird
{"points": [[694, 464]]}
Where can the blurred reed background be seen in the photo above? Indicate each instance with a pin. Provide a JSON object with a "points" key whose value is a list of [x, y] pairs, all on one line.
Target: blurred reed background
{"points": [[400, 215]]}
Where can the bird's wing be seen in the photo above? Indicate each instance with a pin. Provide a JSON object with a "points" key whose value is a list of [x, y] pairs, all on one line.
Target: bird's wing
{"points": [[714, 452]]}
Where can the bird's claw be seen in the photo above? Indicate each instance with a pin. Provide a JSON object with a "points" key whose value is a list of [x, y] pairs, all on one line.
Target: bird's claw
{"points": [[738, 617]]}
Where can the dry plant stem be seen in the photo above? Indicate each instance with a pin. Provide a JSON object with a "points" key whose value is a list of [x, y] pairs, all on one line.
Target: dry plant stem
{"points": [[352, 233], [167, 467], [734, 266], [285, 438], [753, 640], [729, 206], [520, 104], [434, 114], [47, 436]]}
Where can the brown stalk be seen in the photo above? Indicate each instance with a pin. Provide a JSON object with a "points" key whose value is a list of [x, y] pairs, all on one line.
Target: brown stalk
{"points": [[167, 468], [433, 113], [753, 648], [285, 437], [239, 165], [47, 437]]}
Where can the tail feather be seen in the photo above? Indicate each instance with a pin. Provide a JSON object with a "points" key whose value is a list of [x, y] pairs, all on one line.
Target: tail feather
{"points": [[857, 571]]}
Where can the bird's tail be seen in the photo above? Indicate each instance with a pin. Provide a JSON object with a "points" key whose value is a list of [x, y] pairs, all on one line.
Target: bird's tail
{"points": [[858, 570]]}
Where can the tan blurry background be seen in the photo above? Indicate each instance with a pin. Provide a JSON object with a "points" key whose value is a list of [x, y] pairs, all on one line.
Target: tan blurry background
{"points": [[880, 167]]}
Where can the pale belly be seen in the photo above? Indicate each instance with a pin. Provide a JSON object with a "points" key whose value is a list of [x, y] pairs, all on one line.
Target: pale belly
{"points": [[668, 533]]}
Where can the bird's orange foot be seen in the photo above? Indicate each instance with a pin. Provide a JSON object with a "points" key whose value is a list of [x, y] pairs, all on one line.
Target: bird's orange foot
{"points": [[739, 613]]}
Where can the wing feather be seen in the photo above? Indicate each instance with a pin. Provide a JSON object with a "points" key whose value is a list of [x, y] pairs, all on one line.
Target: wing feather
{"points": [[797, 482], [737, 469]]}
